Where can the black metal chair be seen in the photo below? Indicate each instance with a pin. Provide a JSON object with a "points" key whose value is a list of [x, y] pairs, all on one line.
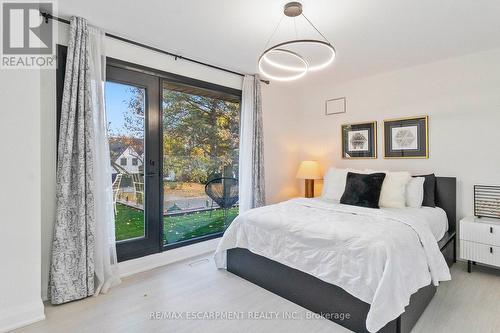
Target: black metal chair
{"points": [[224, 192]]}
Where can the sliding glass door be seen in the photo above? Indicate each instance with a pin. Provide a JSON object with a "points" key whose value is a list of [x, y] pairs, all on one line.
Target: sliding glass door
{"points": [[174, 158], [133, 117]]}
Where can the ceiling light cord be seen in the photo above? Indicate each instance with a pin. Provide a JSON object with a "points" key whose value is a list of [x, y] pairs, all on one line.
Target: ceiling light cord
{"points": [[274, 32], [314, 27], [295, 26]]}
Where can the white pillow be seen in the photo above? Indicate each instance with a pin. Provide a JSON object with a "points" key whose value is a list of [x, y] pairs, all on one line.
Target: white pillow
{"points": [[415, 192], [334, 184], [393, 193]]}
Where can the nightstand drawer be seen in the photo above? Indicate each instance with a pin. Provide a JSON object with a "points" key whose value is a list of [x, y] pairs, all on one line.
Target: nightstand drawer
{"points": [[482, 253], [484, 233]]}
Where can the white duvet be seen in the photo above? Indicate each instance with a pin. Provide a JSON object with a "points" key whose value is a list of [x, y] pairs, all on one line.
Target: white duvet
{"points": [[381, 256]]}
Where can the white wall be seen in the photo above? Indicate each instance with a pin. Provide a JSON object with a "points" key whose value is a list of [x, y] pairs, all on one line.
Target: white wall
{"points": [[461, 97], [282, 138], [115, 49], [20, 301], [48, 169]]}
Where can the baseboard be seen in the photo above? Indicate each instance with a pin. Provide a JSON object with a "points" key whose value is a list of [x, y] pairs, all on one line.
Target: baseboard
{"points": [[21, 315], [146, 263]]}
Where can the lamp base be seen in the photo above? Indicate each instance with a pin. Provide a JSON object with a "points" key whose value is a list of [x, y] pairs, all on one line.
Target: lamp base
{"points": [[309, 186]]}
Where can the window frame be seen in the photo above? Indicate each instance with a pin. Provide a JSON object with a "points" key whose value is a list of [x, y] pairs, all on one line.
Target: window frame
{"points": [[142, 246], [161, 76], [203, 85], [171, 77], [174, 78]]}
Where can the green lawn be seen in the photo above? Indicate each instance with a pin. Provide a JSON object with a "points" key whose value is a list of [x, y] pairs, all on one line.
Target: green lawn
{"points": [[129, 223]]}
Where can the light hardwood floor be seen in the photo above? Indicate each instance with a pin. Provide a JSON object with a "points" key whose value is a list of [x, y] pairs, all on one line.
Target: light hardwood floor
{"points": [[469, 303]]}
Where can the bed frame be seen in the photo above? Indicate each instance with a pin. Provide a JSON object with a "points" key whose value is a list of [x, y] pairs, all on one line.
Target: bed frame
{"points": [[331, 301]]}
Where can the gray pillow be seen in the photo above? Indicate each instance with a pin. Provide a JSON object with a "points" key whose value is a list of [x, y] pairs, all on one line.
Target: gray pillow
{"points": [[429, 190]]}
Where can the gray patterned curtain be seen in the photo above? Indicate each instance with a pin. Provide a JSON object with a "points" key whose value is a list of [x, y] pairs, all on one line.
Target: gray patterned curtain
{"points": [[251, 161], [81, 261]]}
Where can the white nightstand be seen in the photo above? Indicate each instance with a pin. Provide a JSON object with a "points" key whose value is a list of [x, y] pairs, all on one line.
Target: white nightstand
{"points": [[480, 241]]}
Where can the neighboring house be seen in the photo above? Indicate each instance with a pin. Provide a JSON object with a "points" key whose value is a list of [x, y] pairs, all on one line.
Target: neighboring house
{"points": [[129, 160], [129, 148]]}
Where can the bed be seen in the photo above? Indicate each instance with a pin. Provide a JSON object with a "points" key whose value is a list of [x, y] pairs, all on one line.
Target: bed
{"points": [[361, 306]]}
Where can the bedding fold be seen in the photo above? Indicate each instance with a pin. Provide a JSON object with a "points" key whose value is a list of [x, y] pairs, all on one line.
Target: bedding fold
{"points": [[381, 256]]}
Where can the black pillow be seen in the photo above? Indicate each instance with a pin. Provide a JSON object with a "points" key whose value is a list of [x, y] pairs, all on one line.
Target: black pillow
{"points": [[362, 189], [429, 190]]}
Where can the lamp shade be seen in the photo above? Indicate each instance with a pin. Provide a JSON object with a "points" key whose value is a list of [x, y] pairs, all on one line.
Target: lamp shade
{"points": [[309, 170]]}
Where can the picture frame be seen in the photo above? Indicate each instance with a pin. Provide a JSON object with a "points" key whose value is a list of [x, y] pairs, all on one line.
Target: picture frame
{"points": [[335, 106], [406, 137], [359, 140]]}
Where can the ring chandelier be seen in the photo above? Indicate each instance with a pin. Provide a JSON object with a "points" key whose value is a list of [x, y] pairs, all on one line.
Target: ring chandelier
{"points": [[294, 72]]}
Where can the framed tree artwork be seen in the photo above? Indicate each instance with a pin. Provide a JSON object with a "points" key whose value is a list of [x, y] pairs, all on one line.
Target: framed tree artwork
{"points": [[359, 140], [406, 137]]}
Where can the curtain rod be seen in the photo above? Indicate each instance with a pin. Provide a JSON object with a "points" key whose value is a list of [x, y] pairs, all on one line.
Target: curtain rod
{"points": [[48, 16]]}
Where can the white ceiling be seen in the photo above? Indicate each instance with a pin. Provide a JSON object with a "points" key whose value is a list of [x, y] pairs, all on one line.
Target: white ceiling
{"points": [[370, 37]]}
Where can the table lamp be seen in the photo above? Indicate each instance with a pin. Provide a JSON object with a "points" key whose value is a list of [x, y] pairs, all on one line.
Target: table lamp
{"points": [[309, 170]]}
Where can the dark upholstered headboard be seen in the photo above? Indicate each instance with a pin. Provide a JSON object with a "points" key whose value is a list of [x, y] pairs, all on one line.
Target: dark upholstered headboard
{"points": [[446, 198]]}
